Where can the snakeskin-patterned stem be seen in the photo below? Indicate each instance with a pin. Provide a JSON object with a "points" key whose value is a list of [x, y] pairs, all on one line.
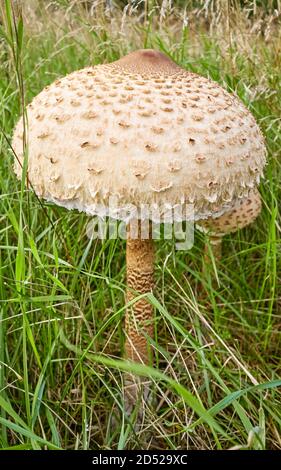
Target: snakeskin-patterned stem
{"points": [[139, 316], [138, 320]]}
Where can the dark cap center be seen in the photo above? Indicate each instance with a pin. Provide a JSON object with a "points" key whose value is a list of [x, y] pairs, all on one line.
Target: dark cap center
{"points": [[147, 61]]}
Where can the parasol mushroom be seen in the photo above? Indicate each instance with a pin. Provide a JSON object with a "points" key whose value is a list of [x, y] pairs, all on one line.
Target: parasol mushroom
{"points": [[146, 132]]}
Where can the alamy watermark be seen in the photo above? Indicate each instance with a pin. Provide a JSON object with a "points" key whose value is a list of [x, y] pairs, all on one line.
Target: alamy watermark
{"points": [[144, 221]]}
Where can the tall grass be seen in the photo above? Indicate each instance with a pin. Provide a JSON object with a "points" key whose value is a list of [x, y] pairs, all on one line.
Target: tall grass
{"points": [[217, 372]]}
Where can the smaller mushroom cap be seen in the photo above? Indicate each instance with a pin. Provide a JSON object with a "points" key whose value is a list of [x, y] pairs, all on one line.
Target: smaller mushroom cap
{"points": [[243, 213]]}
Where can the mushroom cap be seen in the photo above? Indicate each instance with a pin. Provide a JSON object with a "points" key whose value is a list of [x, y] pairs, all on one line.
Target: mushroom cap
{"points": [[141, 132], [243, 213]]}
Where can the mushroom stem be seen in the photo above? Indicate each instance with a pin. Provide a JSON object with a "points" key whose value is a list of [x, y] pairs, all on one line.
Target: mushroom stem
{"points": [[216, 247], [139, 316]]}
